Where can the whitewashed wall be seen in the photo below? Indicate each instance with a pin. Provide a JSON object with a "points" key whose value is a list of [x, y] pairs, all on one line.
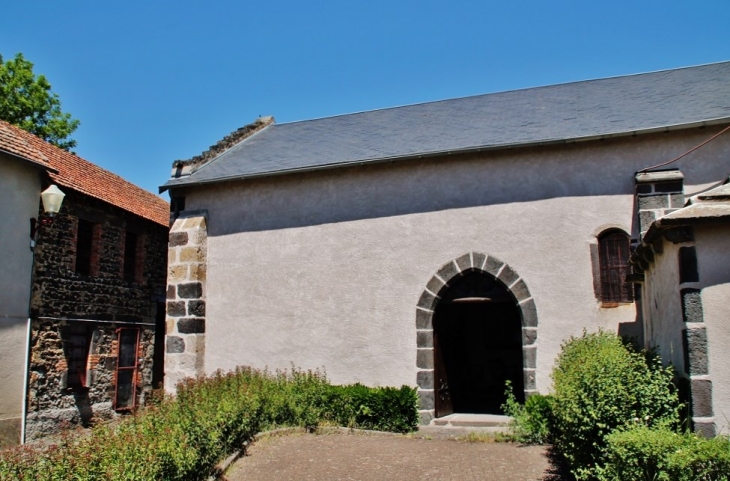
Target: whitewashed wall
{"points": [[20, 187], [325, 269]]}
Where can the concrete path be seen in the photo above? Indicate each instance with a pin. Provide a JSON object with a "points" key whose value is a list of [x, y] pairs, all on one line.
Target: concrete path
{"points": [[366, 457]]}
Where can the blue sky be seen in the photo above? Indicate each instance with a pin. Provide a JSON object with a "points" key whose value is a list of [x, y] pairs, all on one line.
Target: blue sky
{"points": [[155, 81]]}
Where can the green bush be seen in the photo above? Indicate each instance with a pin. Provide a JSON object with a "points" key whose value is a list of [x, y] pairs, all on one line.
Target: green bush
{"points": [[530, 421], [659, 454], [383, 408], [601, 384], [183, 438]]}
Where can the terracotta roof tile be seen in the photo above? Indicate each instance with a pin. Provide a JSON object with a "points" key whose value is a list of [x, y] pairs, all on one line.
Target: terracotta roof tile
{"points": [[13, 141], [83, 176]]}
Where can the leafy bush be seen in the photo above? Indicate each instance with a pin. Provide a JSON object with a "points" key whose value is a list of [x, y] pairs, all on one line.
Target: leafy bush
{"points": [[642, 453], [383, 408], [183, 438], [601, 384], [530, 421]]}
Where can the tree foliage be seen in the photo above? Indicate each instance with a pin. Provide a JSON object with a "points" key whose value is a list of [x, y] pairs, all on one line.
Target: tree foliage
{"points": [[26, 100]]}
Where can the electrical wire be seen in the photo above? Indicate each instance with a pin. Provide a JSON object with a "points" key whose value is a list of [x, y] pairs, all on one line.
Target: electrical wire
{"points": [[689, 151]]}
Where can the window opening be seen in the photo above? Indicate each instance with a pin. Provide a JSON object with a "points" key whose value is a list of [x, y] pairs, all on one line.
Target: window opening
{"points": [[126, 373], [75, 339], [613, 253], [84, 247], [130, 257]]}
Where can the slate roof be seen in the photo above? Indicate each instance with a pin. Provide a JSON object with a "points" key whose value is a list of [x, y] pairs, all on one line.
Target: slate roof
{"points": [[557, 113], [70, 170]]}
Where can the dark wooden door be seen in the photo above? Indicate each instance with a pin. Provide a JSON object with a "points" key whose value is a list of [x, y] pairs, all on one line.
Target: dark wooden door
{"points": [[444, 405]]}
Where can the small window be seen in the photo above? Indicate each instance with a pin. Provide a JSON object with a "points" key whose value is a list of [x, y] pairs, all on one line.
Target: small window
{"points": [[613, 255], [88, 242], [84, 247], [126, 374], [130, 257], [75, 341]]}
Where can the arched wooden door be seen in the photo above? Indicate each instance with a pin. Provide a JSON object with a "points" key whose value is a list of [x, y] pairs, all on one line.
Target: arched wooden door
{"points": [[477, 346]]}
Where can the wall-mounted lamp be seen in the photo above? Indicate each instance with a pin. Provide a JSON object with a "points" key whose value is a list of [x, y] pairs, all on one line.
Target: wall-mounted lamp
{"points": [[52, 199]]}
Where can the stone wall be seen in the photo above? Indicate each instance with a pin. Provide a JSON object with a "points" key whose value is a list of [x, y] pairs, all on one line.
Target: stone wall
{"points": [[186, 279], [76, 316]]}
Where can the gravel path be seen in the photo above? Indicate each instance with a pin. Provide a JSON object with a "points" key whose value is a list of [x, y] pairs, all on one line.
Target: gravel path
{"points": [[365, 457]]}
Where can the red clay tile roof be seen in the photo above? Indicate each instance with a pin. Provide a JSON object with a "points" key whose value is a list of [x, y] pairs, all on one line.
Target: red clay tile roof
{"points": [[13, 141], [83, 176]]}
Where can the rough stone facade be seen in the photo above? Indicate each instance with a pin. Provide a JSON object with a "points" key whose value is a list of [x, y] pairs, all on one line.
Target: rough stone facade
{"points": [[186, 278], [77, 316]]}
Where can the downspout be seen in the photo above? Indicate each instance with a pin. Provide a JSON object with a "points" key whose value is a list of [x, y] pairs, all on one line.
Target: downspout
{"points": [[26, 373], [28, 333]]}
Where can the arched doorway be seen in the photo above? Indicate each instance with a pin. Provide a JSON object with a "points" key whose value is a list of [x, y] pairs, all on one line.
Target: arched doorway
{"points": [[476, 323], [477, 337]]}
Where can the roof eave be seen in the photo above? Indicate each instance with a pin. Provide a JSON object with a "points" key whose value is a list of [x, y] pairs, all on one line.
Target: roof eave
{"points": [[36, 163], [188, 182]]}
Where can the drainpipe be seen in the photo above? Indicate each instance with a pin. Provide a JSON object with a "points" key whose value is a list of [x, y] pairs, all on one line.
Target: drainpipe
{"points": [[26, 382]]}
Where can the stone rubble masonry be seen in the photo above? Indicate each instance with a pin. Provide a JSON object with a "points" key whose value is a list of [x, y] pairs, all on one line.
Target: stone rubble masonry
{"points": [[186, 278], [657, 194], [91, 307]]}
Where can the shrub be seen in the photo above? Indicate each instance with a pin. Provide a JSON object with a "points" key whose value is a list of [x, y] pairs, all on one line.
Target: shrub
{"points": [[531, 421], [601, 384], [383, 408], [660, 454], [183, 438]]}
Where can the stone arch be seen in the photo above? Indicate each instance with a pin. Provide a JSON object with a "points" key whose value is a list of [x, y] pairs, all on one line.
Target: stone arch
{"points": [[436, 286]]}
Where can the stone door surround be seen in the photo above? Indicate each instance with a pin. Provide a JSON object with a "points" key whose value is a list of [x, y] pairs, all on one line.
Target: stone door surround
{"points": [[437, 286]]}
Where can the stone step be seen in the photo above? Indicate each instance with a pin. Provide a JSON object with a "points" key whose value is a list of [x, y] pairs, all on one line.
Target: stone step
{"points": [[460, 420]]}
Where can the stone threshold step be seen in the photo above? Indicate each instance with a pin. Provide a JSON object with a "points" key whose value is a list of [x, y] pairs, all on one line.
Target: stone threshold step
{"points": [[472, 420]]}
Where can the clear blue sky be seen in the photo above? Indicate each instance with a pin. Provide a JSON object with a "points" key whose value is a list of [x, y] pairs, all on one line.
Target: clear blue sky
{"points": [[155, 81]]}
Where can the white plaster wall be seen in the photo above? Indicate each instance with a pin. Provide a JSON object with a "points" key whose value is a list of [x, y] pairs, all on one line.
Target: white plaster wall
{"points": [[20, 187], [325, 269], [662, 307], [713, 260]]}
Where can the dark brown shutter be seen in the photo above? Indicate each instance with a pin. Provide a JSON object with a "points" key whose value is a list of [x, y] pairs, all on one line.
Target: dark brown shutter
{"points": [[614, 262]]}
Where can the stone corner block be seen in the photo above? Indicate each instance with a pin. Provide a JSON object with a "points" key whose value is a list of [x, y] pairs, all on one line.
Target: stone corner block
{"points": [[464, 262], [508, 276], [178, 239], [174, 345], [424, 319], [426, 400], [529, 313], [478, 259], [493, 265], [191, 325], [427, 301], [520, 290], [424, 379], [190, 290], [424, 338], [448, 271], [424, 358]]}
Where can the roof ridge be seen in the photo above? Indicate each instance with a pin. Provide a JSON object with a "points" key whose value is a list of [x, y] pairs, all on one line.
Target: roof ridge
{"points": [[499, 92], [186, 167]]}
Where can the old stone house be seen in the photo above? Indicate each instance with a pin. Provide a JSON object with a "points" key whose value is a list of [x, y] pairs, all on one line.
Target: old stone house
{"points": [[449, 245], [96, 308]]}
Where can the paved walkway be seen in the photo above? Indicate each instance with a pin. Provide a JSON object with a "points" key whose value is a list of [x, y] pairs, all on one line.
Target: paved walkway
{"points": [[365, 457]]}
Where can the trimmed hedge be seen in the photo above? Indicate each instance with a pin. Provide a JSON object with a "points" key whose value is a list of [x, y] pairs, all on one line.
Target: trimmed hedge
{"points": [[642, 453], [183, 438]]}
